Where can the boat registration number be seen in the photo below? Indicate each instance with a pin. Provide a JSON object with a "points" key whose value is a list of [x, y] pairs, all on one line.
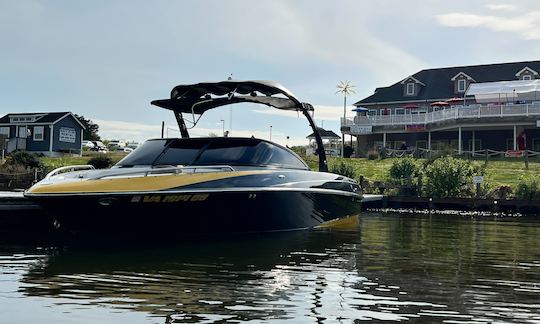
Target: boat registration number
{"points": [[168, 198]]}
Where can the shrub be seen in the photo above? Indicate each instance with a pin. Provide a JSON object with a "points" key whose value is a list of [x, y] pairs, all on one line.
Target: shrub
{"points": [[451, 177], [100, 162], [500, 192], [343, 169], [404, 170], [528, 188], [372, 155], [24, 159]]}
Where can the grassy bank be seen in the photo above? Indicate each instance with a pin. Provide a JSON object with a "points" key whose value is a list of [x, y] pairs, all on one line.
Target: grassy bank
{"points": [[498, 172], [52, 163]]}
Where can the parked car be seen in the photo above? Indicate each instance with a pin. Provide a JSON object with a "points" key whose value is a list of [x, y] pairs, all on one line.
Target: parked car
{"points": [[115, 145], [99, 147], [87, 144]]}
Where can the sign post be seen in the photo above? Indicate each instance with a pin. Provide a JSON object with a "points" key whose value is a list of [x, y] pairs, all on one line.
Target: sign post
{"points": [[477, 181]]}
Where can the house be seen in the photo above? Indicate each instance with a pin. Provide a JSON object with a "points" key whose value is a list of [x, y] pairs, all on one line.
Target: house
{"points": [[465, 108], [50, 133]]}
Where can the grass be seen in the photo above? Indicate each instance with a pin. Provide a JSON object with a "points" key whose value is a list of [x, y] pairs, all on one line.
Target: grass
{"points": [[52, 163], [498, 172]]}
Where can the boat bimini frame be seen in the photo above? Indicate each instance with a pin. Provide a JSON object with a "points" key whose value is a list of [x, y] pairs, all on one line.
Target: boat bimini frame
{"points": [[200, 97]]}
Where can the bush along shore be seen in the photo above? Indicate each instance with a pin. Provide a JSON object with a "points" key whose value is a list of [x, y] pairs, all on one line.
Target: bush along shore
{"points": [[441, 177]]}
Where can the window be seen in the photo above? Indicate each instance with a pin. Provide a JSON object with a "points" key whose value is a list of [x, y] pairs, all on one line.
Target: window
{"points": [[4, 131], [23, 132], [400, 111], [410, 89], [536, 144], [527, 77], [39, 133], [461, 85], [372, 112]]}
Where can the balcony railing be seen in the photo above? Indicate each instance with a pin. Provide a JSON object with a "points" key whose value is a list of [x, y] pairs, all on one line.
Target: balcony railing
{"points": [[453, 113]]}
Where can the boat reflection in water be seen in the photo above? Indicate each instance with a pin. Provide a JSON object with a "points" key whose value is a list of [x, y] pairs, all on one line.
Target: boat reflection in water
{"points": [[394, 267]]}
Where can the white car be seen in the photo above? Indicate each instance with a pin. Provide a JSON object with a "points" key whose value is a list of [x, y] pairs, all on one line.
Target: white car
{"points": [[115, 145], [88, 144]]}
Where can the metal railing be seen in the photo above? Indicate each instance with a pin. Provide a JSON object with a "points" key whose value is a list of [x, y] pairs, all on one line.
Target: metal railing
{"points": [[452, 113]]}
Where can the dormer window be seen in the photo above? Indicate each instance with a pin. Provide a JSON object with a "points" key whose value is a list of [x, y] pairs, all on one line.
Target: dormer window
{"points": [[527, 74], [411, 86], [410, 89], [462, 85]]}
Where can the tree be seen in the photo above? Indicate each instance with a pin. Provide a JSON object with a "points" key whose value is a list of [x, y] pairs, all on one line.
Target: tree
{"points": [[91, 131]]}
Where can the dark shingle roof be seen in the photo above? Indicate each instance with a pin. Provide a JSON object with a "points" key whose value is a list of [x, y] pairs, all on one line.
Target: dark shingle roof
{"points": [[439, 85], [324, 134], [47, 118]]}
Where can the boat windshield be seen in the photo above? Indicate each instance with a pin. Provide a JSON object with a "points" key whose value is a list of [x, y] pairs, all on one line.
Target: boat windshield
{"points": [[212, 151]]}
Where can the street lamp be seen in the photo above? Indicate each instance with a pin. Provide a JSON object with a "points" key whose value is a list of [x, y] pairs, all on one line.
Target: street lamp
{"points": [[270, 132], [288, 141], [222, 127]]}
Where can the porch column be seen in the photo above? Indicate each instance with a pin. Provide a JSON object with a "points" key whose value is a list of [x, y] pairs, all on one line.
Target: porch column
{"points": [[429, 141], [384, 140], [473, 144], [459, 141], [51, 133], [515, 137]]}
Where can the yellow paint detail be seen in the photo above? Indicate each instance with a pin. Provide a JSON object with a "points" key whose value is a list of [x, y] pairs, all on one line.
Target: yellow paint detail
{"points": [[345, 223], [148, 183]]}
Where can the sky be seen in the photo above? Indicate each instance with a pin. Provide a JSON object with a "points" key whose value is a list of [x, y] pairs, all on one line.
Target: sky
{"points": [[108, 59]]}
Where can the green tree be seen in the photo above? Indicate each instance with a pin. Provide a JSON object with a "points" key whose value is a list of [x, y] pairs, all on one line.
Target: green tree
{"points": [[91, 131]]}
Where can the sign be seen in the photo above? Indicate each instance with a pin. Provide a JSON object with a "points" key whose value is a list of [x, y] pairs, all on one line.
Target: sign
{"points": [[360, 130], [477, 179], [67, 135], [415, 128], [514, 153]]}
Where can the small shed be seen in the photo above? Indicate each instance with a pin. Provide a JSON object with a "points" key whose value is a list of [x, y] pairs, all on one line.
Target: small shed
{"points": [[331, 142], [49, 133]]}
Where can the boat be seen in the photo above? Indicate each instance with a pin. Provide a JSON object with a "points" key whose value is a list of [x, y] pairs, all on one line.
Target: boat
{"points": [[214, 185]]}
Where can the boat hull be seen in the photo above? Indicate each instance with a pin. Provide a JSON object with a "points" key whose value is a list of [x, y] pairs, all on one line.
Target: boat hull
{"points": [[199, 212]]}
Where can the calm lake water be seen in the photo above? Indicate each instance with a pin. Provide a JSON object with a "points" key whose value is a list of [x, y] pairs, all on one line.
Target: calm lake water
{"points": [[394, 267]]}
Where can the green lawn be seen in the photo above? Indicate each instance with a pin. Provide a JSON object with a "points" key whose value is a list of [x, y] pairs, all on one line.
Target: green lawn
{"points": [[52, 163], [498, 172]]}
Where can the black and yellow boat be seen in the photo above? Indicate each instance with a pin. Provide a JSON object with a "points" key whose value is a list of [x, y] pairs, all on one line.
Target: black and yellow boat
{"points": [[204, 185]]}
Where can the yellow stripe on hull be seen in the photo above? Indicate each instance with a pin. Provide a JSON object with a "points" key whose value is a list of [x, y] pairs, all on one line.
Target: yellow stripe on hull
{"points": [[138, 184], [345, 223]]}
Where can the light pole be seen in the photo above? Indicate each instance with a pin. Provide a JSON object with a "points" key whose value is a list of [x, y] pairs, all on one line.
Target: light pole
{"points": [[222, 127], [270, 132], [288, 141], [346, 88]]}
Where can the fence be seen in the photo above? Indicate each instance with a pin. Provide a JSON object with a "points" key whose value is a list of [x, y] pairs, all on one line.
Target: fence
{"points": [[20, 180]]}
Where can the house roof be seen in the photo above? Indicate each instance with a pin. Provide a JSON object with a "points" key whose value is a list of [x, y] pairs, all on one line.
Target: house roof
{"points": [[47, 118], [439, 85], [325, 134]]}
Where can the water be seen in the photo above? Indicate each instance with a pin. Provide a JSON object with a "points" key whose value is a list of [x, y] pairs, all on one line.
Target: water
{"points": [[394, 267]]}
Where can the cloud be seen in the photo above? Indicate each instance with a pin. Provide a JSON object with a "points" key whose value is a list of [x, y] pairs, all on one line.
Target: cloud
{"points": [[501, 7], [114, 129], [332, 113], [527, 26]]}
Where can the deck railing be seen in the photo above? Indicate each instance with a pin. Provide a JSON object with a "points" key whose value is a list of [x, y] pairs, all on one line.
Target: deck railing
{"points": [[452, 113]]}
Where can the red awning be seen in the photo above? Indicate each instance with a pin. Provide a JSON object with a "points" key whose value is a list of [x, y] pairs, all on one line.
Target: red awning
{"points": [[410, 106], [439, 103], [454, 100]]}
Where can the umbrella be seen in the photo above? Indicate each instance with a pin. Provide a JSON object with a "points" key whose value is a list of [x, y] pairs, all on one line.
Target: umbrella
{"points": [[410, 106], [439, 103], [360, 109]]}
